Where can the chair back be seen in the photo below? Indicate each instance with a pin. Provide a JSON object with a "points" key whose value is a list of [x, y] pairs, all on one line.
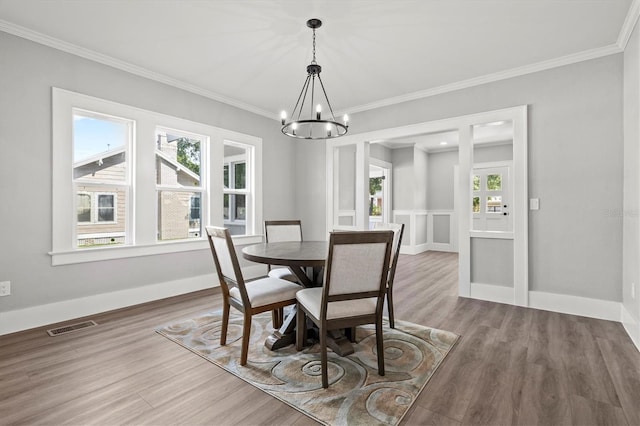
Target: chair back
{"points": [[226, 261], [276, 231], [357, 266], [398, 230]]}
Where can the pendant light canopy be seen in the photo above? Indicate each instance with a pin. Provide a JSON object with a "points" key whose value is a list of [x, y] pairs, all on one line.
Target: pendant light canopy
{"points": [[313, 125]]}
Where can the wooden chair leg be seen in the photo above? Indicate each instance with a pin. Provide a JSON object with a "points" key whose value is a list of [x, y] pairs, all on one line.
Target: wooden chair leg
{"points": [[246, 331], [380, 346], [390, 307], [323, 358], [225, 323], [351, 334], [301, 328], [277, 317]]}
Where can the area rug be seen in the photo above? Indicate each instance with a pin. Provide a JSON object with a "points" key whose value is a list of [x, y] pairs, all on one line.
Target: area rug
{"points": [[357, 395]]}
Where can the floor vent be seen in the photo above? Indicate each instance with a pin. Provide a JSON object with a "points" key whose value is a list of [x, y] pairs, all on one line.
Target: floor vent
{"points": [[69, 328]]}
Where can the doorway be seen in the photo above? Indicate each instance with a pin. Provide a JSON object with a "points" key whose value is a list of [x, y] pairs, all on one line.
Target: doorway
{"points": [[512, 286]]}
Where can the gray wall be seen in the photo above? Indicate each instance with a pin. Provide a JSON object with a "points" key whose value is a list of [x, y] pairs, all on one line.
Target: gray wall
{"points": [[380, 152], [575, 157], [420, 176], [27, 72], [403, 178], [440, 180], [631, 210]]}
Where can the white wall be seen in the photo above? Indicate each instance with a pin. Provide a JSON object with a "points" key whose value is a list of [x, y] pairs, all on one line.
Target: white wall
{"points": [[27, 73], [631, 210], [575, 167]]}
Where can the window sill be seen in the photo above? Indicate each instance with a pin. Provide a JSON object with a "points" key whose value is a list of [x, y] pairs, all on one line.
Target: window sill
{"points": [[123, 252]]}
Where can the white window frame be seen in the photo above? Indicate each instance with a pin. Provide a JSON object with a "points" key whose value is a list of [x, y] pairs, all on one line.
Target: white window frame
{"points": [[143, 209], [230, 161], [201, 189]]}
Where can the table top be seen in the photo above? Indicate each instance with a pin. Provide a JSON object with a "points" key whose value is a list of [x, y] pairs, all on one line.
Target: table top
{"points": [[291, 253]]}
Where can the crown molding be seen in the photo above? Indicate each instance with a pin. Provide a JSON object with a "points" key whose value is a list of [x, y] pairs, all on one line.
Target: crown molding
{"points": [[628, 25], [490, 78], [82, 52], [625, 33]]}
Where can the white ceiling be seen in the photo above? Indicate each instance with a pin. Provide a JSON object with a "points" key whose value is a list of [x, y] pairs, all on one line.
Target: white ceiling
{"points": [[253, 53]]}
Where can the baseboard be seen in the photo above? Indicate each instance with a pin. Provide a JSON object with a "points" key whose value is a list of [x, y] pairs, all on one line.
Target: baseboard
{"points": [[576, 305], [492, 293], [632, 326], [37, 316], [442, 247], [417, 249]]}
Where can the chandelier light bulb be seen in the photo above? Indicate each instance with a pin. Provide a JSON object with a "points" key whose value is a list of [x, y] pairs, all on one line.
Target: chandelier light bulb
{"points": [[283, 117], [318, 111], [346, 120]]}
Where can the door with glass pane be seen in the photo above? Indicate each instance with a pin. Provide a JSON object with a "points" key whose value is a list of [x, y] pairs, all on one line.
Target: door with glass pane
{"points": [[491, 198]]}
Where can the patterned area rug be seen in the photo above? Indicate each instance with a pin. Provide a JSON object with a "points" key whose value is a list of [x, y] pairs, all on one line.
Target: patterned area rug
{"points": [[356, 394]]}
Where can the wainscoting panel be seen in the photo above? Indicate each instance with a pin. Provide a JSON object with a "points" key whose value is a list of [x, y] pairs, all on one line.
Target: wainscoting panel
{"points": [[427, 230]]}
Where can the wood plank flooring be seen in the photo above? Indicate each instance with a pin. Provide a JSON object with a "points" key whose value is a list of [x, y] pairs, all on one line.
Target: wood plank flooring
{"points": [[512, 365]]}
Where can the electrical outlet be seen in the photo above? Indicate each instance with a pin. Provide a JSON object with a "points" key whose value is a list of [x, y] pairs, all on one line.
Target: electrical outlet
{"points": [[5, 288]]}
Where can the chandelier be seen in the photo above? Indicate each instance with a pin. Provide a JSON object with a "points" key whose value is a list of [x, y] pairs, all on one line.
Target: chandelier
{"points": [[313, 126]]}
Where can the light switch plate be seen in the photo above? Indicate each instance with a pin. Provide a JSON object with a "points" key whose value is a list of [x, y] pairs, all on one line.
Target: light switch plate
{"points": [[534, 204]]}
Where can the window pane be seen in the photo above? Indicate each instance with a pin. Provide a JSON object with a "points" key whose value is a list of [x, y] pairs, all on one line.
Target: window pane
{"points": [[175, 221], [178, 159], [240, 207], [494, 182], [240, 175], [226, 207], [226, 176], [494, 204], [84, 208], [106, 208], [99, 147], [476, 183], [476, 204]]}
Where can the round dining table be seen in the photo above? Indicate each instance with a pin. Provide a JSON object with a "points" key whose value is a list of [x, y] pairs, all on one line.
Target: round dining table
{"points": [[306, 259], [296, 255]]}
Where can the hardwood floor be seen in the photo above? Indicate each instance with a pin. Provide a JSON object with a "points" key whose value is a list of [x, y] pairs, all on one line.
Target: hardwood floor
{"points": [[512, 366]]}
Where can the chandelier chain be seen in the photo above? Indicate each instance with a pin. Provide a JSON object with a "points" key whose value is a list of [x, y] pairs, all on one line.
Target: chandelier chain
{"points": [[314, 47]]}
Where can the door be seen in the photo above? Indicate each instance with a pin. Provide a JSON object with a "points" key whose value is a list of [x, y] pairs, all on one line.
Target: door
{"points": [[491, 198]]}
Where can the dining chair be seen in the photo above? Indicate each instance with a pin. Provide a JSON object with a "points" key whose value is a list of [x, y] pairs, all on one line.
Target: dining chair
{"points": [[282, 231], [398, 230], [353, 292], [249, 297]]}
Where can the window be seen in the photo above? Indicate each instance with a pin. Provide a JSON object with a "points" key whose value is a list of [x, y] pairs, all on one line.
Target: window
{"points": [[236, 188], [112, 207], [178, 167], [101, 143]]}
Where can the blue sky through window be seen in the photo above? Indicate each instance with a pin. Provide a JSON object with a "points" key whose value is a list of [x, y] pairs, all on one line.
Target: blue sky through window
{"points": [[92, 136]]}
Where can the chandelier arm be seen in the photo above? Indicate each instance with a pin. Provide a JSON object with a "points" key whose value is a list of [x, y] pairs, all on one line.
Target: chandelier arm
{"points": [[313, 92], [333, 117], [304, 97], [306, 83]]}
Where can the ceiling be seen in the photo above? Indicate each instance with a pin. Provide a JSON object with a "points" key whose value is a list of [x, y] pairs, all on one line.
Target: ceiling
{"points": [[253, 53]]}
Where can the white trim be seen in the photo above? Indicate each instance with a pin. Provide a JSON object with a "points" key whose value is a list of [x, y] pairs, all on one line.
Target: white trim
{"points": [[632, 326], [492, 293], [498, 235], [576, 305], [37, 316], [629, 23]]}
